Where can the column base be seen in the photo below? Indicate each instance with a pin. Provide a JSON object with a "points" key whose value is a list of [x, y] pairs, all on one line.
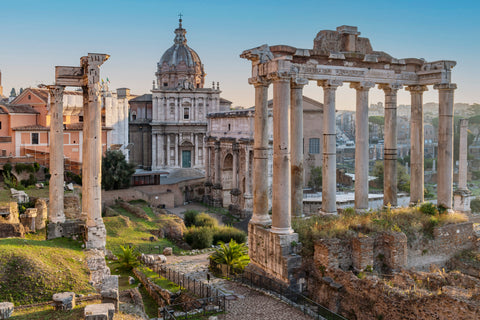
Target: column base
{"points": [[263, 220], [461, 200], [282, 230], [96, 237], [361, 210], [325, 213]]}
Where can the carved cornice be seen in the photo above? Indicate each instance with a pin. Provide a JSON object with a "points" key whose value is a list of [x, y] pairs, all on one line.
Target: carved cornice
{"points": [[260, 54], [329, 84], [445, 86], [363, 85], [416, 89], [280, 76]]}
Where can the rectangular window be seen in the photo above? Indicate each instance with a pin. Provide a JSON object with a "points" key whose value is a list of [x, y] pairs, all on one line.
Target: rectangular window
{"points": [[80, 118], [186, 113], [314, 146], [34, 137]]}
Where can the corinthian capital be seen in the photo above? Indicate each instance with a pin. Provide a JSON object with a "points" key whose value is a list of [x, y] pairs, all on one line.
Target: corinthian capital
{"points": [[56, 94], [298, 83], [417, 89], [329, 84], [363, 85], [391, 88], [259, 82]]}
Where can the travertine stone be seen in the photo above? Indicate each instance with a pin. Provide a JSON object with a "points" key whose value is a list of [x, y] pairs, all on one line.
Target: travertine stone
{"points": [[109, 290], [329, 182], [361, 144], [6, 308], [461, 196], [56, 213], [390, 155], [42, 214], [101, 311], [445, 144], [260, 155], [64, 300], [296, 143], [281, 197], [416, 144]]}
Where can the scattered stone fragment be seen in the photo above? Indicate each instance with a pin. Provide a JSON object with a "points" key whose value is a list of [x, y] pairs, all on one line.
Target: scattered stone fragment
{"points": [[102, 311], [168, 251], [6, 310], [64, 300]]}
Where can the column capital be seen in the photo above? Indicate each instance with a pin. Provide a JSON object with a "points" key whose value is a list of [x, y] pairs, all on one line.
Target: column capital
{"points": [[279, 76], [329, 84], [390, 87], [362, 85], [445, 86], [298, 83], [259, 82], [55, 90], [417, 88]]}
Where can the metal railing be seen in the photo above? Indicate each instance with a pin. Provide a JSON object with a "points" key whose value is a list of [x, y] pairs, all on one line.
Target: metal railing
{"points": [[305, 304], [192, 309]]}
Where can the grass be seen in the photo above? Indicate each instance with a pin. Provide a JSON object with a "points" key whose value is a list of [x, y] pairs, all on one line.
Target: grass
{"points": [[127, 228], [159, 280], [32, 270], [349, 224]]}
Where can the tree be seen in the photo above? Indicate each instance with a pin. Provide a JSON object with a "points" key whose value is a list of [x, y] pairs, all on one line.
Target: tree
{"points": [[403, 179], [116, 171], [128, 258], [234, 255], [315, 181]]}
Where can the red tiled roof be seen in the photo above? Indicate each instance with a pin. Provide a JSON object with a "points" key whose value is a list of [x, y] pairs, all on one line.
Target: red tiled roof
{"points": [[21, 108], [35, 127]]}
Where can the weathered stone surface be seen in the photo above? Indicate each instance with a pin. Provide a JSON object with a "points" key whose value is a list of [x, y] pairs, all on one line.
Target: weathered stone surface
{"points": [[109, 290], [42, 214], [151, 259], [19, 195], [6, 310], [9, 213], [68, 229], [8, 230], [28, 219], [64, 301], [174, 229], [102, 311], [95, 260], [72, 207], [168, 251], [362, 249]]}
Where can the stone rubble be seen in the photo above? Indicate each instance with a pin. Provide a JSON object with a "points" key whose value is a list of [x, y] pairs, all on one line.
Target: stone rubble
{"points": [[6, 310], [64, 301]]}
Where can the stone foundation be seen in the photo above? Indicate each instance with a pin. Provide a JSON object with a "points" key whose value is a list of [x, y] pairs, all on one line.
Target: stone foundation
{"points": [[96, 237], [42, 214], [98, 268], [461, 201], [67, 229], [102, 311], [274, 253], [109, 291], [28, 219], [64, 301], [8, 230]]}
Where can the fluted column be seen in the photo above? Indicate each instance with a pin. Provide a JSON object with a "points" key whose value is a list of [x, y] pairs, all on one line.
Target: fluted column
{"points": [[329, 168], [296, 140], [92, 167], [390, 150], [361, 144], [206, 156], [445, 144], [56, 206], [260, 154], [416, 144]]}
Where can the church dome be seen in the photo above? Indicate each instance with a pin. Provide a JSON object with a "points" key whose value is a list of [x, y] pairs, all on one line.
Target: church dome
{"points": [[180, 64]]}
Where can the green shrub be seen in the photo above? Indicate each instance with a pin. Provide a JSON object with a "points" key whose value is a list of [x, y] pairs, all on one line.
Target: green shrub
{"points": [[475, 205], [7, 167], [234, 255], [189, 217], [36, 166], [428, 208], [225, 234], [30, 181], [204, 220], [128, 258], [199, 238]]}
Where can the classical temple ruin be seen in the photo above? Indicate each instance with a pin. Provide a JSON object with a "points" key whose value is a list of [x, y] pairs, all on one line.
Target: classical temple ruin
{"points": [[87, 76], [337, 57]]}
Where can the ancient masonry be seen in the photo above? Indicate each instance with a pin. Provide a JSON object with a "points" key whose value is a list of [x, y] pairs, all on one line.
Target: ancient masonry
{"points": [[87, 76], [337, 57]]}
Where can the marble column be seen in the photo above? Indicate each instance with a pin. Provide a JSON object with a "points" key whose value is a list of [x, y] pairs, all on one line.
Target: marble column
{"points": [[161, 150], [281, 186], [176, 150], [207, 164], [92, 167], [218, 159], [260, 154], [168, 152], [296, 140], [248, 184], [329, 169], [463, 153], [56, 194], [390, 150], [361, 144], [445, 144], [235, 166], [154, 151], [416, 144], [196, 149]]}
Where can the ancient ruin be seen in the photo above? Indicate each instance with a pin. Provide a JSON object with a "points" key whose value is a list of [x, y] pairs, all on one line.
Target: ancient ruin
{"points": [[87, 76], [337, 57]]}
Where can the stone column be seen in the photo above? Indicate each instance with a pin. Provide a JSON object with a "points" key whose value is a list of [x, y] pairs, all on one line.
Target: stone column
{"points": [[281, 187], [55, 212], [329, 174], [154, 151], [176, 150], [445, 144], [207, 164], [416, 144], [248, 184], [161, 150], [390, 150], [218, 180], [296, 140], [235, 166], [168, 153], [92, 167], [260, 154], [196, 149], [361, 144], [461, 196]]}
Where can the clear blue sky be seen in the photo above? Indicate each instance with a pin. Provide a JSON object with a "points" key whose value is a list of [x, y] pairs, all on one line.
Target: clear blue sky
{"points": [[38, 35]]}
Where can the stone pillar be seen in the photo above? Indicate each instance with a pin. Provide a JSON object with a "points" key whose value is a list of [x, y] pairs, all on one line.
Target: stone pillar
{"points": [[217, 186], [196, 149], [445, 145], [296, 143], [169, 137], [218, 159], [281, 187], [260, 154], [248, 204], [204, 152], [361, 144], [55, 212], [92, 167], [416, 144], [161, 150], [207, 164], [329, 174], [235, 166], [462, 194], [390, 150], [154, 151], [176, 150]]}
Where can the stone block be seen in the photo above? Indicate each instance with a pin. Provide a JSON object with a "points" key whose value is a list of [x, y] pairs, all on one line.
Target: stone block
{"points": [[102, 311], [97, 266], [6, 310], [67, 229], [42, 214], [168, 251], [362, 252], [64, 301], [28, 219], [96, 237], [395, 250], [8, 230], [461, 201], [109, 290]]}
